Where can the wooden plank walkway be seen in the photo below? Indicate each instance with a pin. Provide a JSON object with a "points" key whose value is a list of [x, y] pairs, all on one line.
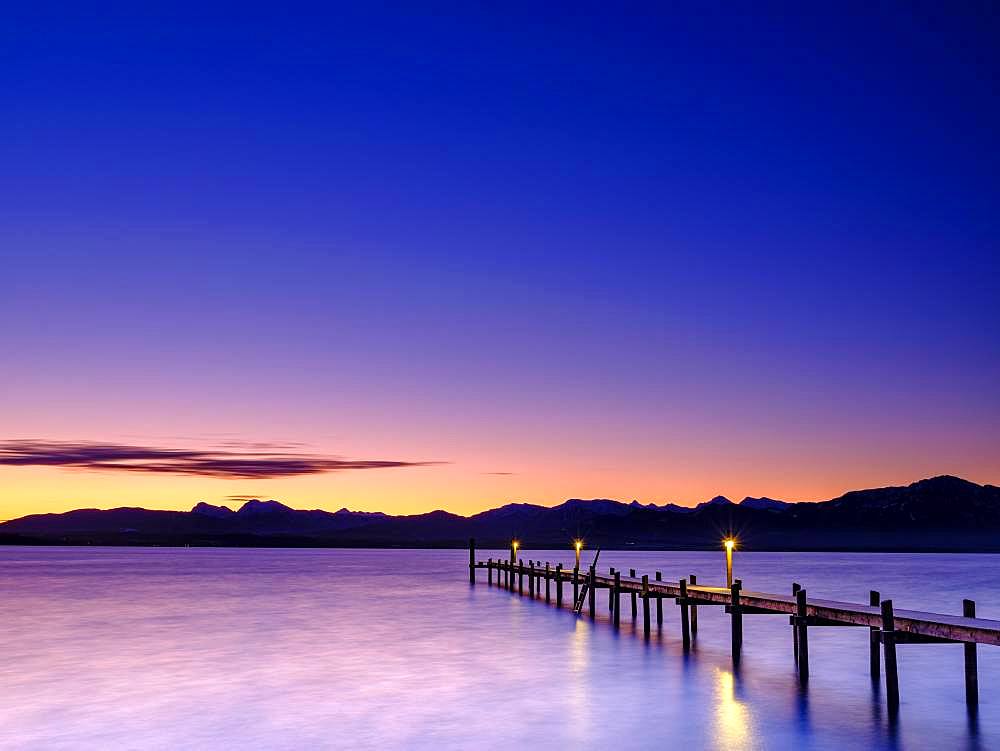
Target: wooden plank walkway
{"points": [[887, 627]]}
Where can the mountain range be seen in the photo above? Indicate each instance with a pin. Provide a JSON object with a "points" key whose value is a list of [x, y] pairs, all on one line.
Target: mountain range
{"points": [[941, 513]]}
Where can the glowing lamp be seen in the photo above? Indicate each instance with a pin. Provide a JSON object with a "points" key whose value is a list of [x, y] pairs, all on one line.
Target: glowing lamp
{"points": [[729, 543]]}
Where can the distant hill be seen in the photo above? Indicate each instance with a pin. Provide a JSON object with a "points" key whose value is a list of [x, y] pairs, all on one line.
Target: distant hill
{"points": [[940, 513], [767, 504]]}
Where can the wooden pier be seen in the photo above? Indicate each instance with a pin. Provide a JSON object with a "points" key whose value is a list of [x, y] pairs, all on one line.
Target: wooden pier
{"points": [[885, 626]]}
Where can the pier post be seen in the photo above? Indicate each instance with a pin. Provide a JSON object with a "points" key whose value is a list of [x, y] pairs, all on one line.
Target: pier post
{"points": [[694, 609], [737, 620], [659, 603], [489, 571], [472, 561], [683, 602], [795, 628], [645, 605], [520, 578], [593, 591], [889, 647], [611, 594], [971, 664], [635, 611], [548, 587], [531, 579], [558, 585], [576, 585], [874, 662], [616, 601], [802, 630]]}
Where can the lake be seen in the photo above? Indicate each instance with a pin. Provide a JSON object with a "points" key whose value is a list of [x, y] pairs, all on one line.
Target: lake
{"points": [[158, 648]]}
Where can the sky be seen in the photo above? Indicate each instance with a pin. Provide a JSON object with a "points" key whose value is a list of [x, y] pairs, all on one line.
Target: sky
{"points": [[403, 257]]}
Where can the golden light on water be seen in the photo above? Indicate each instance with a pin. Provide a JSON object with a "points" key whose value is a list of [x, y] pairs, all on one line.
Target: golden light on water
{"points": [[733, 722]]}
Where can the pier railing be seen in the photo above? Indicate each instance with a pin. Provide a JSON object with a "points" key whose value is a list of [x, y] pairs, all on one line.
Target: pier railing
{"points": [[886, 626]]}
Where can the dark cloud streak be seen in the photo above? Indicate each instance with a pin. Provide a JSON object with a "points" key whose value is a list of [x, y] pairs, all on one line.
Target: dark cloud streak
{"points": [[217, 463]]}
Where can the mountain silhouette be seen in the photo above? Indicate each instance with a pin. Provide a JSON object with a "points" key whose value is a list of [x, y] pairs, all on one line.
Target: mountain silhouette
{"points": [[940, 513], [768, 504], [207, 509], [255, 507]]}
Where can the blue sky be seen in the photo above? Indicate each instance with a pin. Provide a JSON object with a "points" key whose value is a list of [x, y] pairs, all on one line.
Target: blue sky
{"points": [[662, 251]]}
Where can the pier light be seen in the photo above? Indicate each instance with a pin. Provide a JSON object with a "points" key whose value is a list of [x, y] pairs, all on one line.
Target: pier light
{"points": [[729, 543], [578, 546], [514, 545]]}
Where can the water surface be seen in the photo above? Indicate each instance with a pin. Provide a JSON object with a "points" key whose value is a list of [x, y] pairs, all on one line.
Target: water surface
{"points": [[158, 648]]}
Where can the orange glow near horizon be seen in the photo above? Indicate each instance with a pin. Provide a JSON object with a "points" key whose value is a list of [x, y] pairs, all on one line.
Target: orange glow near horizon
{"points": [[557, 462], [456, 488]]}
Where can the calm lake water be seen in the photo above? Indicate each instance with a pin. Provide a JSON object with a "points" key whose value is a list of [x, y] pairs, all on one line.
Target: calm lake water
{"points": [[356, 649]]}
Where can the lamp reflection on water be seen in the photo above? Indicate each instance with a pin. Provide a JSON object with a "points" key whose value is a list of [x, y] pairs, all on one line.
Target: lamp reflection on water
{"points": [[732, 718], [578, 686]]}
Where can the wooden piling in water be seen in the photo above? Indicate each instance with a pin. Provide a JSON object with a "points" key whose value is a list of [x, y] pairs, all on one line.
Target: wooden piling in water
{"points": [[683, 602], [616, 593], [736, 619], [889, 648], [548, 579], [693, 580], [592, 592], [795, 627], [659, 603], [559, 585], [611, 594], [576, 584], [520, 578], [635, 611], [874, 663], [489, 571], [971, 661], [531, 579], [472, 561], [645, 605], [802, 630]]}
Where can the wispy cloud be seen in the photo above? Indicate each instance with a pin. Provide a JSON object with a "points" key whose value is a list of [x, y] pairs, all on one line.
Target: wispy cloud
{"points": [[498, 473], [242, 462]]}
